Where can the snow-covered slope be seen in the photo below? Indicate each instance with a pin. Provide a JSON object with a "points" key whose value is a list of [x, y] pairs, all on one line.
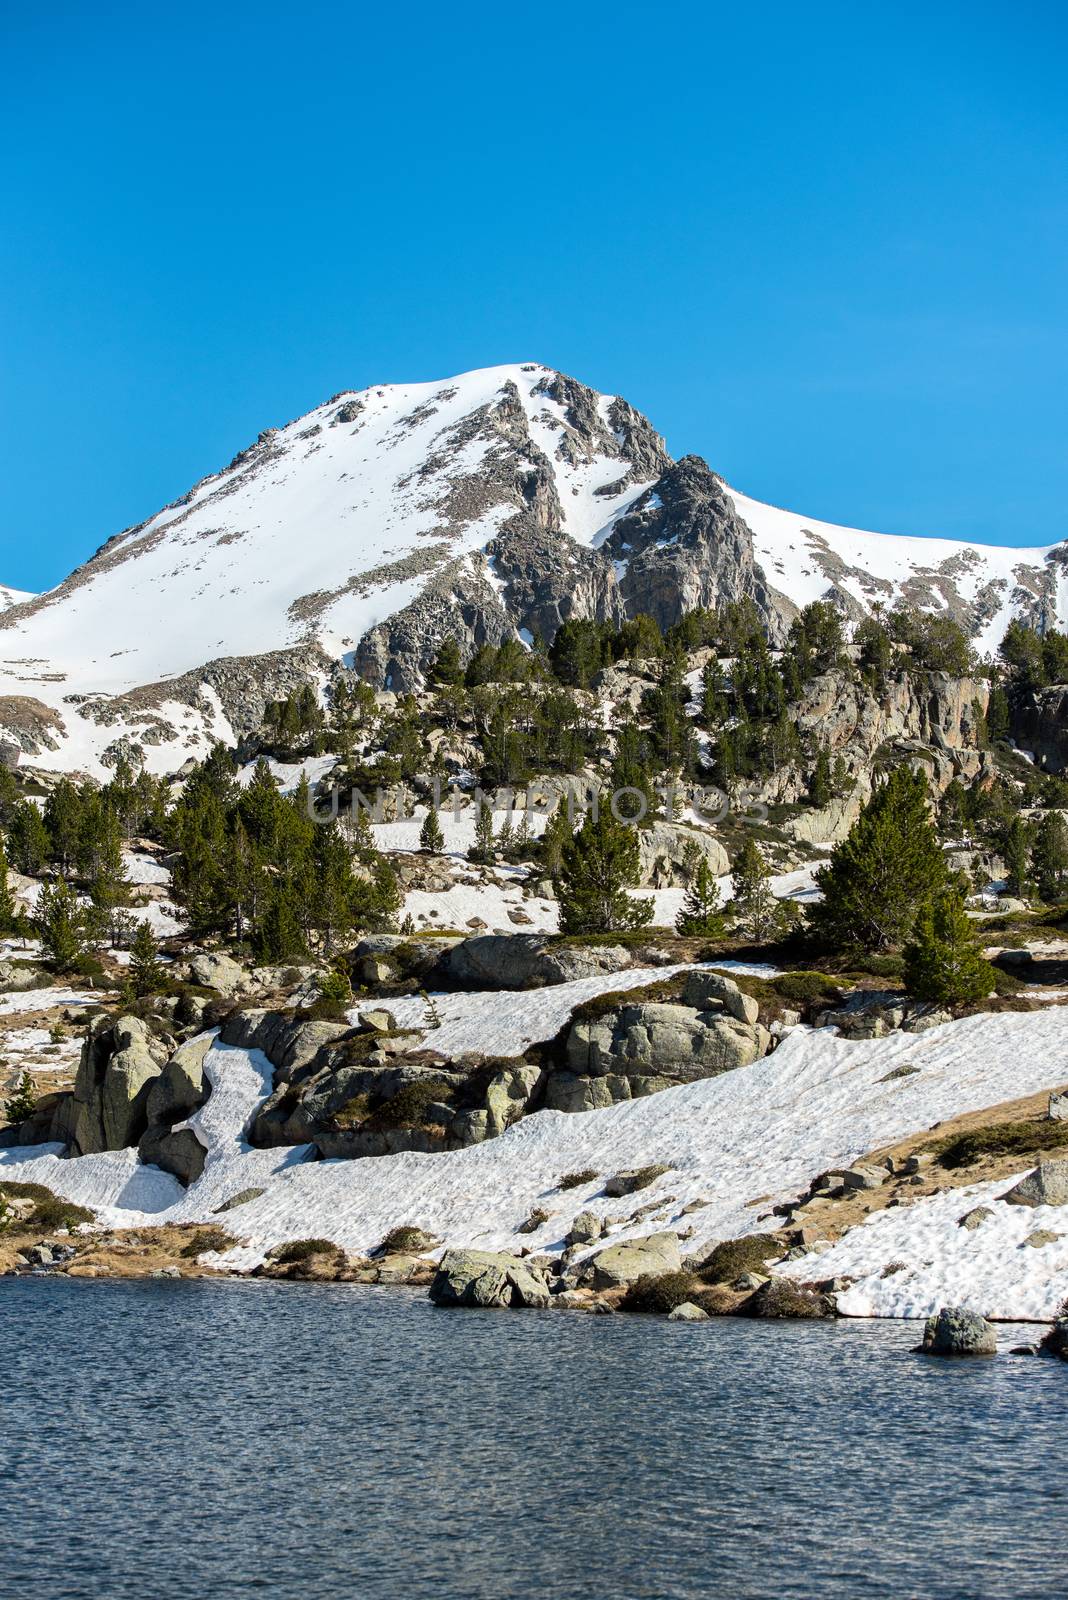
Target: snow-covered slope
{"points": [[981, 586], [735, 1143], [489, 505]]}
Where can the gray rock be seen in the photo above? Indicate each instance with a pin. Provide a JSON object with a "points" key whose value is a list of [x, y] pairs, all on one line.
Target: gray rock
{"points": [[1040, 1237], [673, 1041], [486, 1278], [1046, 1186], [378, 1020], [214, 970], [956, 1332], [509, 1095], [527, 961], [180, 1152], [974, 1218], [622, 1263], [1058, 1107], [688, 1312], [14, 979], [633, 1179], [182, 1086], [669, 851], [703, 989], [587, 1228]]}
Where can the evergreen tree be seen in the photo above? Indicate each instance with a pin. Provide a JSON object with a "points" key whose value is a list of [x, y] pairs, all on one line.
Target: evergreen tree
{"points": [[943, 962], [9, 917], [482, 851], [701, 915], [883, 871], [754, 903], [146, 969], [61, 925], [431, 837], [819, 783], [1049, 857], [1016, 843], [447, 670], [597, 866], [109, 887], [557, 833], [29, 845], [23, 1103]]}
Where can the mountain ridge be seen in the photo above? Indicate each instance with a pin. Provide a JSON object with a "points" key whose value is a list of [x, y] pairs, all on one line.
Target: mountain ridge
{"points": [[495, 504]]}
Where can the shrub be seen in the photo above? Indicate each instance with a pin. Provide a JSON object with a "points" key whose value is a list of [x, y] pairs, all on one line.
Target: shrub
{"points": [[405, 1109], [302, 1250], [206, 1239], [1001, 1139], [806, 988], [733, 1257], [49, 1212], [402, 1241], [575, 1180], [660, 1292]]}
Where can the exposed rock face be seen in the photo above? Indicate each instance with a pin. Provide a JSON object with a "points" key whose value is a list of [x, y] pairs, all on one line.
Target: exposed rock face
{"points": [[684, 546], [669, 853], [1046, 1186], [215, 970], [955, 1332], [487, 1278], [108, 1108]]}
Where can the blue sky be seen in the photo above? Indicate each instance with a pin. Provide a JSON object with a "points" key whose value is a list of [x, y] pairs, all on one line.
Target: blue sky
{"points": [[824, 247]]}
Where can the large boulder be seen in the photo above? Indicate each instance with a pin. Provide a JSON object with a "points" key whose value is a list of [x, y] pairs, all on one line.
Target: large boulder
{"points": [[486, 1278], [13, 978], [526, 961], [108, 1108], [669, 851], [956, 1332], [182, 1086], [214, 970], [705, 990], [1046, 1186], [649, 1257], [674, 1041], [509, 1096], [178, 1152], [289, 1045]]}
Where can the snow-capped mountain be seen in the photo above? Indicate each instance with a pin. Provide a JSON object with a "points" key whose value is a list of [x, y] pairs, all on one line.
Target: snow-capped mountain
{"points": [[359, 536]]}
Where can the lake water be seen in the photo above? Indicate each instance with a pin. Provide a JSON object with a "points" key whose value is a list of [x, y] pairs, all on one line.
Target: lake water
{"points": [[169, 1439]]}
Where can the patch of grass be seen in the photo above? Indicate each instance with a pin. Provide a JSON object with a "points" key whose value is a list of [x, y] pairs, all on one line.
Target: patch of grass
{"points": [[802, 989], [302, 1250], [660, 1293], [1000, 1139], [49, 1211], [1005, 983], [207, 1239], [662, 991], [575, 1180], [733, 1257]]}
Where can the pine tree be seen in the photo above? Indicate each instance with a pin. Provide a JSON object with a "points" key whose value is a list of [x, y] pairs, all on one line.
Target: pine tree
{"points": [[819, 783], [1016, 851], [482, 850], [9, 917], [943, 962], [23, 1103], [431, 837], [146, 969], [1049, 857], [701, 915], [597, 866], [754, 904], [556, 834], [61, 924], [883, 871]]}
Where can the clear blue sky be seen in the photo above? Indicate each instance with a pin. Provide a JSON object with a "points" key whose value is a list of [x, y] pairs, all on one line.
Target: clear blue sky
{"points": [[823, 246]]}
